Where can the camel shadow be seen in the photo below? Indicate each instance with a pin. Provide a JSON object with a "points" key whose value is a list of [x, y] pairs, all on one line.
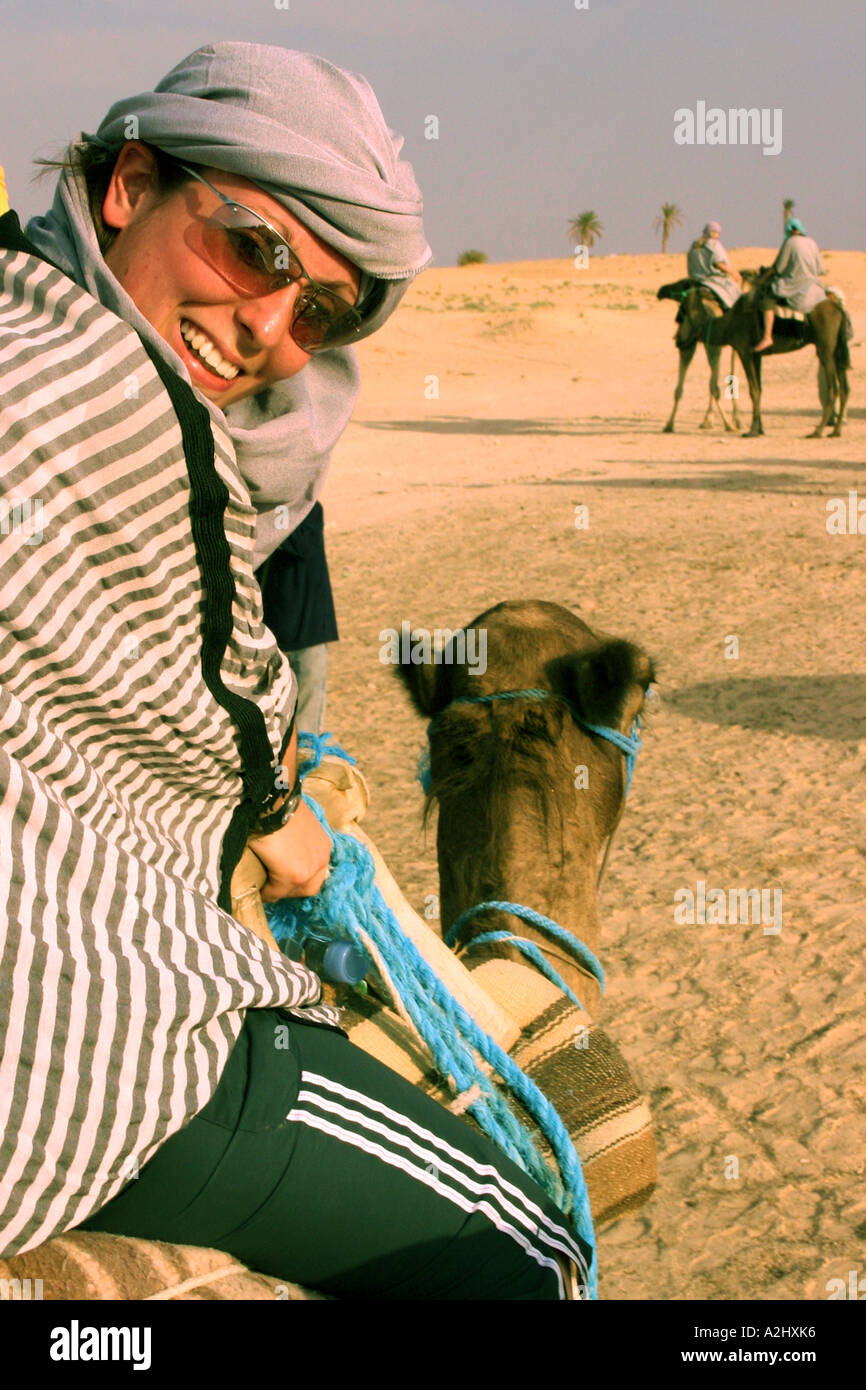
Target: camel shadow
{"points": [[789, 463], [467, 424], [832, 707], [744, 481], [551, 427], [852, 413]]}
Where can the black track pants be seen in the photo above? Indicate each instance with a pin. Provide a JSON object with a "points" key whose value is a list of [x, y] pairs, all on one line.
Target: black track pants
{"points": [[314, 1163]]}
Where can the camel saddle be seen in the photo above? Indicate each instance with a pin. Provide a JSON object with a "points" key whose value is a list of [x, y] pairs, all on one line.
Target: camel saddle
{"points": [[784, 311]]}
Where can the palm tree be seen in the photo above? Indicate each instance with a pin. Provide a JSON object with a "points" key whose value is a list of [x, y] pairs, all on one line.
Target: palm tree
{"points": [[787, 209], [671, 216], [586, 229]]}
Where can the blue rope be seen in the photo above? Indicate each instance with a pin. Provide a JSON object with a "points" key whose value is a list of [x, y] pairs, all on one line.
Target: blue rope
{"points": [[423, 771], [315, 746], [350, 902], [630, 744], [534, 954], [585, 956]]}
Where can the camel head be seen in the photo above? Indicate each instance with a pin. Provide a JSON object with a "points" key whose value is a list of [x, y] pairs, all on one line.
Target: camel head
{"points": [[755, 282], [675, 289], [527, 797]]}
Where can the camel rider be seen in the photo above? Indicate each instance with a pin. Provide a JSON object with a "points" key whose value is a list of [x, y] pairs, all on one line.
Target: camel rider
{"points": [[796, 278], [707, 264]]}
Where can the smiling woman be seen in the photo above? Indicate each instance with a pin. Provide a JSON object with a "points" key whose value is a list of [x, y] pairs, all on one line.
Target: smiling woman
{"points": [[219, 283], [175, 356], [326, 171]]}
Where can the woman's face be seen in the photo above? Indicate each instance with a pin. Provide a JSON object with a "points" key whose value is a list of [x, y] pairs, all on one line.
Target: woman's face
{"points": [[155, 259]]}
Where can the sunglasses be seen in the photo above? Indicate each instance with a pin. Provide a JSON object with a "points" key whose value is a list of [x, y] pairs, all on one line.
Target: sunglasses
{"points": [[255, 260]]}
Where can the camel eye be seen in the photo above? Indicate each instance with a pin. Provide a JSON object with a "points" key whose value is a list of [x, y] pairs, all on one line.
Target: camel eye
{"points": [[461, 753], [534, 726]]}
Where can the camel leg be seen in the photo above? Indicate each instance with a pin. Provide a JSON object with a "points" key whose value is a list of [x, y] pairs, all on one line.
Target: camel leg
{"points": [[686, 355], [735, 414], [752, 368], [714, 357], [826, 353], [713, 360], [822, 394], [842, 377]]}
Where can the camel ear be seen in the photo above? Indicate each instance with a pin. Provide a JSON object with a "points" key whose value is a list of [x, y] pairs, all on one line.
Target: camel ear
{"points": [[606, 685], [424, 682]]}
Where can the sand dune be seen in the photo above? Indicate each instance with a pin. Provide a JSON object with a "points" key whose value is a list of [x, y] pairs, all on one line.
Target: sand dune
{"points": [[553, 384]]}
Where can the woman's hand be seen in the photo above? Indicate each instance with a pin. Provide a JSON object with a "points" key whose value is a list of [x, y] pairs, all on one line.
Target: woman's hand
{"points": [[296, 857]]}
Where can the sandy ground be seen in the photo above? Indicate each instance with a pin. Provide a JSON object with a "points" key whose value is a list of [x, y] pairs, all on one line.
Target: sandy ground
{"points": [[553, 385]]}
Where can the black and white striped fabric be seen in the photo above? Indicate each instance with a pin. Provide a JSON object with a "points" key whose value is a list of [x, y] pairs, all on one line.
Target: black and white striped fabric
{"points": [[143, 706]]}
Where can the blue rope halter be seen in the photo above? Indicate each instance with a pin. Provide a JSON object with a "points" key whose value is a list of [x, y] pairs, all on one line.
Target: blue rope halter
{"points": [[529, 948], [630, 745]]}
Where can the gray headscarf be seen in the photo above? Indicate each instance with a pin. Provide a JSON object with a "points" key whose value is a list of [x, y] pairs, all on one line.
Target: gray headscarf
{"points": [[312, 136]]}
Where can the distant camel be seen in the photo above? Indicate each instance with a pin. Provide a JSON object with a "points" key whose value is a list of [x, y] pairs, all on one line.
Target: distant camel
{"points": [[687, 339], [827, 326]]}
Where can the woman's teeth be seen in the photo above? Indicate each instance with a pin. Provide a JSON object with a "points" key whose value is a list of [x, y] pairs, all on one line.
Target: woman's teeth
{"points": [[204, 349]]}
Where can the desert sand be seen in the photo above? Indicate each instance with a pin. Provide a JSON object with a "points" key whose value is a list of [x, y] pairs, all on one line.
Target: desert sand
{"points": [[553, 386]]}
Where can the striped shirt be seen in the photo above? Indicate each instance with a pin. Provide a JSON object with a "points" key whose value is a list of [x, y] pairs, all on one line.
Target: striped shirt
{"points": [[143, 707]]}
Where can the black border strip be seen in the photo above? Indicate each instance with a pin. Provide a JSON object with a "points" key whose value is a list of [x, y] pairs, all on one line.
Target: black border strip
{"points": [[209, 498]]}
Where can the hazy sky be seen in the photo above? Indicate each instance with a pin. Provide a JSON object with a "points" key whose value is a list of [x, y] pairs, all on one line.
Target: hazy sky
{"points": [[544, 110]]}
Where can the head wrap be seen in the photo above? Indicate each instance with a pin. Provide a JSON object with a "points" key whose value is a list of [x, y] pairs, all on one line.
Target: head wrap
{"points": [[312, 136], [712, 229], [794, 224]]}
